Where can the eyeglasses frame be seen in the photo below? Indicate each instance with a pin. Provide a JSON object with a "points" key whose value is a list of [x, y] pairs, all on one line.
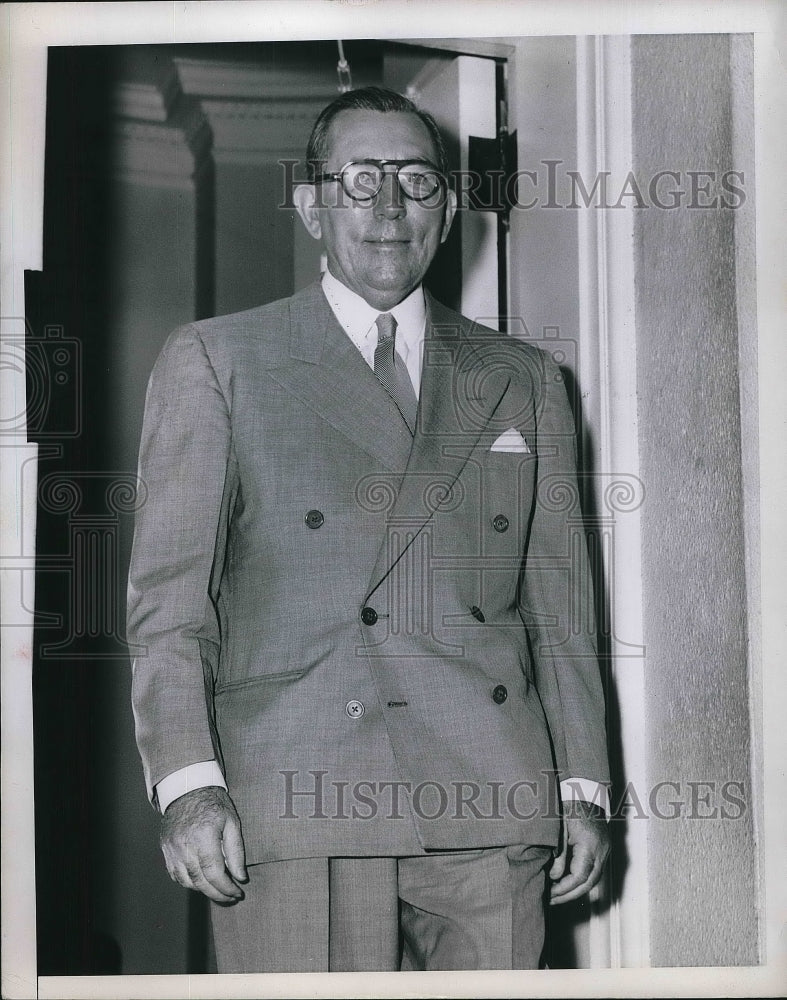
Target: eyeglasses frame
{"points": [[399, 164]]}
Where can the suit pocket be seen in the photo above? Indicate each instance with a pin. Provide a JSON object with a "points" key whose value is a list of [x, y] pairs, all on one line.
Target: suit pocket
{"points": [[507, 497], [511, 468], [248, 682]]}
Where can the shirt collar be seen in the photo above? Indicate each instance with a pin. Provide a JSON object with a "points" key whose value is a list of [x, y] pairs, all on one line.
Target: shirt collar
{"points": [[357, 318]]}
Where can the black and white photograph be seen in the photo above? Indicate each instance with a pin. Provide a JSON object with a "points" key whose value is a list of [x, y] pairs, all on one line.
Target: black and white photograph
{"points": [[393, 475]]}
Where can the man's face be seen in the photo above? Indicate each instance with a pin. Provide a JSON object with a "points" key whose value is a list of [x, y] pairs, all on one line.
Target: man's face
{"points": [[382, 248]]}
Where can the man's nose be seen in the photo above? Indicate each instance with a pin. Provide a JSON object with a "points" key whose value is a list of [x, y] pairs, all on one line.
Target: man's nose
{"points": [[389, 202]]}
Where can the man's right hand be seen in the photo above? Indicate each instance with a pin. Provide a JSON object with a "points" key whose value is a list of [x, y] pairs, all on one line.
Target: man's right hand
{"points": [[203, 846]]}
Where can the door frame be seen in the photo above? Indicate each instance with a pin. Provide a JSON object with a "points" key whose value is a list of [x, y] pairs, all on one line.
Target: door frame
{"points": [[608, 373]]}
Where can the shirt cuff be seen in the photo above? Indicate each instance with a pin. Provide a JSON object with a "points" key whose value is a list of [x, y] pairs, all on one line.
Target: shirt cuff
{"points": [[585, 790], [187, 779]]}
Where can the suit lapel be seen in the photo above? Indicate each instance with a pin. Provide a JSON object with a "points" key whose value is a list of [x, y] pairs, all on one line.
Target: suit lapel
{"points": [[458, 398], [329, 375], [457, 401]]}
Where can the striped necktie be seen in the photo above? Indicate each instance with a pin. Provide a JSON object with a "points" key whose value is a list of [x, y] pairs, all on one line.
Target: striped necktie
{"points": [[392, 372]]}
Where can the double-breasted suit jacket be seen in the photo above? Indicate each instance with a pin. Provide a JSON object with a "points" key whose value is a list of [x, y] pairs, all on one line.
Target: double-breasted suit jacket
{"points": [[384, 639]]}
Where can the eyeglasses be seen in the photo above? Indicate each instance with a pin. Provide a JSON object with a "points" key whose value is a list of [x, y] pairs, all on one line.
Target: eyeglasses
{"points": [[362, 180]]}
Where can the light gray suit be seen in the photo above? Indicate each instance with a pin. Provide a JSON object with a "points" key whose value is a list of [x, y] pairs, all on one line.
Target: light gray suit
{"points": [[285, 496]]}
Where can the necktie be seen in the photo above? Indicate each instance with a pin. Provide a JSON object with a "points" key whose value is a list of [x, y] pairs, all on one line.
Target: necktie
{"points": [[392, 372]]}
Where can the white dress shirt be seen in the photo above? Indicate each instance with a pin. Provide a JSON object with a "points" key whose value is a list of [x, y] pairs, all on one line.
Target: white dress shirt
{"points": [[359, 321]]}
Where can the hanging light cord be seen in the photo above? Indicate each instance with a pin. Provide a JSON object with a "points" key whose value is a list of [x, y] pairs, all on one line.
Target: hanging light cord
{"points": [[343, 71]]}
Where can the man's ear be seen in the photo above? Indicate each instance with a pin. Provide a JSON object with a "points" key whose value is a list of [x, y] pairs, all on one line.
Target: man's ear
{"points": [[450, 212], [304, 197]]}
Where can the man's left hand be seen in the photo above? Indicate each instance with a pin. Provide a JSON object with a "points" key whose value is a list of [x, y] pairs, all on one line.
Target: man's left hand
{"points": [[585, 846]]}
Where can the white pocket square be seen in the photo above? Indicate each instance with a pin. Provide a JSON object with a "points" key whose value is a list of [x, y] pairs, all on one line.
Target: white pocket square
{"points": [[511, 440]]}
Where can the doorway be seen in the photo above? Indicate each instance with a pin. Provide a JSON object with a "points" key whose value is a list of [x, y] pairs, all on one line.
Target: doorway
{"points": [[177, 151]]}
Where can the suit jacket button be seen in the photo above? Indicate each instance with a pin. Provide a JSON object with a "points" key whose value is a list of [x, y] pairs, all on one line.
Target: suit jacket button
{"points": [[500, 694], [314, 519], [369, 616], [500, 522], [354, 709]]}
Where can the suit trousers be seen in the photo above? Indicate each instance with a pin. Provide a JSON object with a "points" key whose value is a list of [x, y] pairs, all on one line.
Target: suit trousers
{"points": [[473, 909]]}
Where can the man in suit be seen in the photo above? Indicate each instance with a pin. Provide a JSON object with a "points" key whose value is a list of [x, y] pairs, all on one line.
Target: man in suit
{"points": [[367, 671]]}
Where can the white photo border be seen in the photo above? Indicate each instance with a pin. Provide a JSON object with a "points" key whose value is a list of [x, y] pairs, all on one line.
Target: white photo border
{"points": [[26, 31]]}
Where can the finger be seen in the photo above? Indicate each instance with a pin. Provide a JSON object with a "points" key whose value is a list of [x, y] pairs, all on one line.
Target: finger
{"points": [[234, 851], [572, 887], [580, 890], [190, 875], [179, 876], [212, 880], [580, 867], [175, 868], [558, 866], [214, 871]]}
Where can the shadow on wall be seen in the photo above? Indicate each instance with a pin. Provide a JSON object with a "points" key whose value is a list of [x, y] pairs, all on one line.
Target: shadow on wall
{"points": [[567, 945]]}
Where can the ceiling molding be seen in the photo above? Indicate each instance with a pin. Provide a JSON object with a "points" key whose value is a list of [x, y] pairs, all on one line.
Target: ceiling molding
{"points": [[210, 78], [139, 100], [152, 100], [264, 129], [234, 112], [158, 125]]}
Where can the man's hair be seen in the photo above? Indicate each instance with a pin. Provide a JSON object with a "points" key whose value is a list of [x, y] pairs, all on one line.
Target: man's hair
{"points": [[367, 99]]}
